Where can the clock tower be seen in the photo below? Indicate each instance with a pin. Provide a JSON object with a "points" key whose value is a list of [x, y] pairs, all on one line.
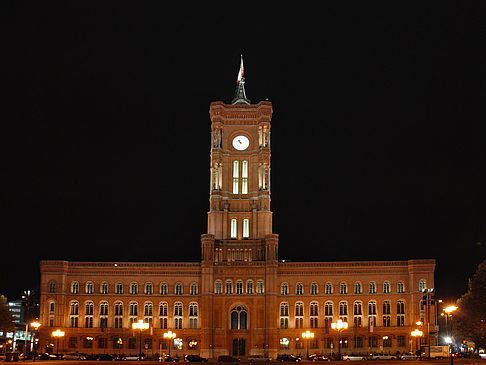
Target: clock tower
{"points": [[239, 217]]}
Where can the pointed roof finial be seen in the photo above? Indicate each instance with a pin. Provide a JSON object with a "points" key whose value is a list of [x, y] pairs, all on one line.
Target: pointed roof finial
{"points": [[240, 94]]}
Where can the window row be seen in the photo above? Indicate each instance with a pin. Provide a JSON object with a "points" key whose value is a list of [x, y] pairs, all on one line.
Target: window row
{"points": [[118, 315], [343, 288], [118, 343], [133, 288], [342, 312], [239, 287], [345, 342]]}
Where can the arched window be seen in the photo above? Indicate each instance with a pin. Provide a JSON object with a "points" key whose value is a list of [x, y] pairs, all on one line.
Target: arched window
{"points": [[328, 288], [238, 317], [229, 287], [133, 288], [246, 228], [74, 315], [386, 287], [260, 287], [89, 287], [371, 307], [163, 289], [400, 287], [235, 176], [104, 288], [357, 287], [132, 313], [328, 309], [386, 313], [218, 287], [234, 229], [343, 311], [372, 287], [193, 289], [52, 286], [118, 319], [284, 289], [284, 315], [244, 177], [299, 315], [343, 288], [119, 288], [148, 288], [89, 308], [314, 314], [400, 313], [422, 285], [193, 315], [239, 287], [148, 310], [299, 289], [314, 289], [178, 289], [178, 315], [163, 315], [358, 314], [103, 314], [249, 287], [75, 287]]}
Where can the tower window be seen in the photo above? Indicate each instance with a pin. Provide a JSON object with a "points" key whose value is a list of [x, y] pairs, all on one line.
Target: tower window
{"points": [[246, 228], [234, 228], [244, 177], [235, 176]]}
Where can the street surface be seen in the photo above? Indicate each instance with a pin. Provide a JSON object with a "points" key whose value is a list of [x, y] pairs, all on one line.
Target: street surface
{"points": [[362, 362]]}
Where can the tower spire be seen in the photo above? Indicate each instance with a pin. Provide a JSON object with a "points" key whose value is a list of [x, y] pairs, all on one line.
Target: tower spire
{"points": [[240, 93]]}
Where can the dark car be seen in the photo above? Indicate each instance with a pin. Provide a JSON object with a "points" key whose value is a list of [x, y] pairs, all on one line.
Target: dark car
{"points": [[167, 358], [319, 358], [225, 358], [286, 357], [105, 357], [195, 358]]}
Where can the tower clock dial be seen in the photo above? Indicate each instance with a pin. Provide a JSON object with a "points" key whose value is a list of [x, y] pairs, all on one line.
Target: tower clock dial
{"points": [[241, 143]]}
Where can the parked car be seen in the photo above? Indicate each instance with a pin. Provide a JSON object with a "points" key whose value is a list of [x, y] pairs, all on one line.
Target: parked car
{"points": [[195, 358], [287, 357], [319, 358], [353, 357], [74, 356], [105, 357], [258, 358], [167, 358], [226, 358], [383, 357], [46, 356], [409, 356]]}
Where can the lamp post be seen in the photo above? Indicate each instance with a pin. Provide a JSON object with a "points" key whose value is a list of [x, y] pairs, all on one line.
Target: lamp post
{"points": [[417, 334], [308, 335], [58, 334], [36, 326], [140, 325], [169, 336], [339, 326]]}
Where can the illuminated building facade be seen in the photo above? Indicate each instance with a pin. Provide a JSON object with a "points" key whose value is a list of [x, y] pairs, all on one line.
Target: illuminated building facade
{"points": [[239, 299]]}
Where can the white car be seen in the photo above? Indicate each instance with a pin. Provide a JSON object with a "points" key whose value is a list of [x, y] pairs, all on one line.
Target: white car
{"points": [[353, 357], [384, 357], [258, 358], [409, 356]]}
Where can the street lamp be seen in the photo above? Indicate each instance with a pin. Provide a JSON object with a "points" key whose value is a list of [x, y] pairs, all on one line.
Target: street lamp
{"points": [[36, 326], [58, 334], [417, 334], [169, 336], [308, 335], [339, 326], [140, 325]]}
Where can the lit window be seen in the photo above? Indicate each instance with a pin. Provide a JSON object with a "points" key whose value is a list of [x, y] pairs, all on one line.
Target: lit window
{"points": [[314, 314], [422, 285], [299, 315], [234, 228], [193, 315], [163, 315], [244, 177], [284, 315], [246, 228], [235, 176], [178, 315]]}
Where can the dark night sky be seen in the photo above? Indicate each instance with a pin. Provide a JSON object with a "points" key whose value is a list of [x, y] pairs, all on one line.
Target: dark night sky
{"points": [[378, 134]]}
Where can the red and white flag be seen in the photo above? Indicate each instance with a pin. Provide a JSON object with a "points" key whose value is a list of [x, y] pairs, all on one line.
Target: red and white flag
{"points": [[241, 72]]}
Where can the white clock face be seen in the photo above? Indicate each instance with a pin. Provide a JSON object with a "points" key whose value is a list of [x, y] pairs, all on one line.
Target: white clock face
{"points": [[241, 143]]}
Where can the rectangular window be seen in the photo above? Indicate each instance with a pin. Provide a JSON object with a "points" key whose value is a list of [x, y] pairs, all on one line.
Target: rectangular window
{"points": [[246, 228], [244, 177], [235, 176], [234, 228]]}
